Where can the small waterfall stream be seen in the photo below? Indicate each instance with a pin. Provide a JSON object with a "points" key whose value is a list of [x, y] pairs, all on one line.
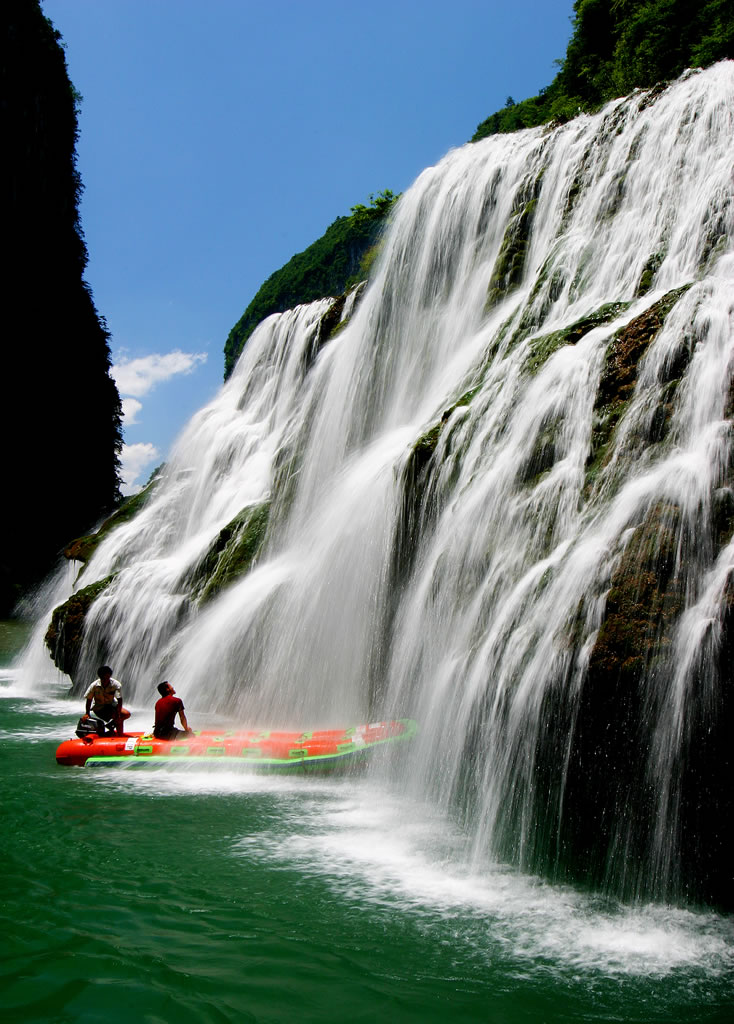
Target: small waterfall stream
{"points": [[497, 499]]}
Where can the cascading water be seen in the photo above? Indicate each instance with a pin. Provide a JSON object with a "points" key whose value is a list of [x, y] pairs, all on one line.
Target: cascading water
{"points": [[497, 499]]}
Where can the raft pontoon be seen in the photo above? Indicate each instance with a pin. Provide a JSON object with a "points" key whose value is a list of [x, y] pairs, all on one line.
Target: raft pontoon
{"points": [[271, 750]]}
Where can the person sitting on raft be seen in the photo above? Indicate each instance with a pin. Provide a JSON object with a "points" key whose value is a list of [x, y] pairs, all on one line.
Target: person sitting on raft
{"points": [[166, 710], [104, 700]]}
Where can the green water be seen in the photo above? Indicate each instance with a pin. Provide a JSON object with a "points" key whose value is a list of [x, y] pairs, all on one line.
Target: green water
{"points": [[164, 895], [13, 636]]}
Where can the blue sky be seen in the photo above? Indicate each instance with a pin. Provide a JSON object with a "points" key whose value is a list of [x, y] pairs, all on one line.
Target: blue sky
{"points": [[219, 138]]}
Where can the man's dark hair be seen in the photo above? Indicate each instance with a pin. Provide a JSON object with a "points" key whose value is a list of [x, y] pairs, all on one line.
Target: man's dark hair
{"points": [[103, 670], [163, 689]]}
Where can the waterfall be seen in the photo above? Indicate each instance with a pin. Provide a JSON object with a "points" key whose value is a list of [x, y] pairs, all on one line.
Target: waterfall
{"points": [[497, 499]]}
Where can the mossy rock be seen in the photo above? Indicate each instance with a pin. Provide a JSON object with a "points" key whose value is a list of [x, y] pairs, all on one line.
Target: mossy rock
{"points": [[542, 456], [82, 549], [330, 320], [652, 265], [543, 347], [510, 263], [612, 201], [417, 480], [66, 629], [645, 599], [425, 446], [232, 554], [466, 399], [331, 323], [606, 781], [423, 449], [548, 288], [722, 515], [629, 345], [619, 378], [716, 232]]}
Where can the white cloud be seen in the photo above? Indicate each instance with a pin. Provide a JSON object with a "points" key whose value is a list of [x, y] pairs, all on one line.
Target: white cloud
{"points": [[134, 458], [139, 376], [130, 409]]}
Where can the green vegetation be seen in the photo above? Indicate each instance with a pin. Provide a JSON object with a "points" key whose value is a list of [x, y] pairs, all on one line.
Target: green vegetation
{"points": [[542, 348], [82, 548], [233, 553], [619, 378], [508, 269], [64, 634], [618, 46], [341, 258]]}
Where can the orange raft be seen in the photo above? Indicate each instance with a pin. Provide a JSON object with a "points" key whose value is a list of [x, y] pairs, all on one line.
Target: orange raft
{"points": [[271, 750]]}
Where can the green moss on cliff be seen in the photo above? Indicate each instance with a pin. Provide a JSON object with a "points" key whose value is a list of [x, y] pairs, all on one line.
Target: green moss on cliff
{"points": [[607, 781], [542, 455], [619, 377], [64, 634], [652, 265], [82, 549], [232, 554], [542, 348], [510, 263], [645, 598]]}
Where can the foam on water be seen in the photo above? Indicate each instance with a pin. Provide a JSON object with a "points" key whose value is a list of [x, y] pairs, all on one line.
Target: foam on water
{"points": [[198, 780], [14, 685], [376, 848]]}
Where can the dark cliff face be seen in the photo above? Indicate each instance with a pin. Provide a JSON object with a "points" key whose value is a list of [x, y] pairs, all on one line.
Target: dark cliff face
{"points": [[60, 411]]}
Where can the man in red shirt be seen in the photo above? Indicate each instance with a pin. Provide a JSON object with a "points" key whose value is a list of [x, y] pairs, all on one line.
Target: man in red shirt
{"points": [[166, 710]]}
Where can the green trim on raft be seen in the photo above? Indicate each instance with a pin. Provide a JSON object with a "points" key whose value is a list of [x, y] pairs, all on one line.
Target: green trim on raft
{"points": [[265, 762], [252, 755]]}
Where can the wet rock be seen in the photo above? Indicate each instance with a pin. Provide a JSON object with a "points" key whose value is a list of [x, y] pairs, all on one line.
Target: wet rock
{"points": [[652, 265], [66, 629], [608, 792], [510, 263], [82, 548], [543, 347], [619, 379], [232, 554]]}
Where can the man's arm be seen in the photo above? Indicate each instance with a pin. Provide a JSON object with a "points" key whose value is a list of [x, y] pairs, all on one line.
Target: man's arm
{"points": [[184, 723]]}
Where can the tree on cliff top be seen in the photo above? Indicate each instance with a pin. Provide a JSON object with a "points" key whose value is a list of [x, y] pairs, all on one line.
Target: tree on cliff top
{"points": [[618, 46]]}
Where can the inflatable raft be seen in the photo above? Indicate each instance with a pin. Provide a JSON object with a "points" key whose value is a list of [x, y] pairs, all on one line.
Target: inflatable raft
{"points": [[270, 750]]}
